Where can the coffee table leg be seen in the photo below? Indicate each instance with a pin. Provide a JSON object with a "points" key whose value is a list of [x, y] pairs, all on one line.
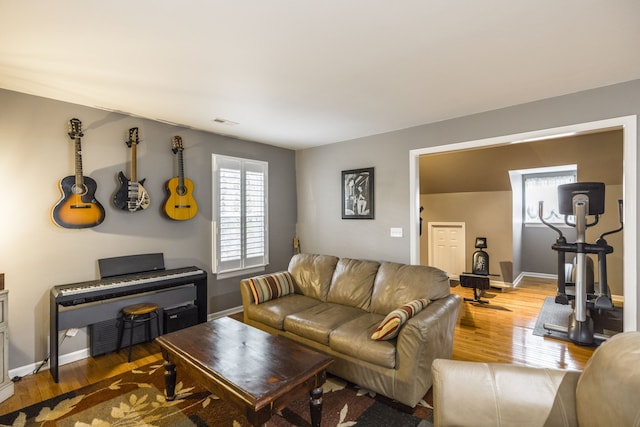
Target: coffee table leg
{"points": [[315, 406], [170, 380]]}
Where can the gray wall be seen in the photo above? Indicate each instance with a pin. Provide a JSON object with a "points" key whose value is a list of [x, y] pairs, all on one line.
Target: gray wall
{"points": [[37, 255], [320, 226], [537, 257]]}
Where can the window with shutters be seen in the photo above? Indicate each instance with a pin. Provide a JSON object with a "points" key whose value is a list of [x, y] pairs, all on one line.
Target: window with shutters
{"points": [[240, 231]]}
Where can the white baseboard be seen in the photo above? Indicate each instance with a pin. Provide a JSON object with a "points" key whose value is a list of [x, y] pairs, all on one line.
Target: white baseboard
{"points": [[224, 313], [84, 353], [62, 360], [499, 284], [525, 274]]}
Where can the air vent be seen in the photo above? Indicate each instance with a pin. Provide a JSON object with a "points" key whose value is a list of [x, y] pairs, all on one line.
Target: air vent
{"points": [[224, 121]]}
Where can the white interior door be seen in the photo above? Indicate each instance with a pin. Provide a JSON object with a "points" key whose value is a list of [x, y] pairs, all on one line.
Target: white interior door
{"points": [[447, 247]]}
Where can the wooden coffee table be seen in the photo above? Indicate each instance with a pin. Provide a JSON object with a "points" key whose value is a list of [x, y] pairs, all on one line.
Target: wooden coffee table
{"points": [[258, 372]]}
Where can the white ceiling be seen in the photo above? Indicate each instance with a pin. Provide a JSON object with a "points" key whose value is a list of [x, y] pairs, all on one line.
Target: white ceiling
{"points": [[297, 74]]}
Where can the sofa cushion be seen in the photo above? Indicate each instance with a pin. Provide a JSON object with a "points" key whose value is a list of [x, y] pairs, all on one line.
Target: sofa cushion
{"points": [[607, 391], [272, 313], [352, 283], [397, 284], [317, 322], [312, 274], [352, 339], [269, 286], [390, 326]]}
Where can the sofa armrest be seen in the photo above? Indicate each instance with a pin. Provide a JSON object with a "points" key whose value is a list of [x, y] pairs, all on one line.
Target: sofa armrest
{"points": [[245, 292], [424, 338], [491, 394], [429, 334]]}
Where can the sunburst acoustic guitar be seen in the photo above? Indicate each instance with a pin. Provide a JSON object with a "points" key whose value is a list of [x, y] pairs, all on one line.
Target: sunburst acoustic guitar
{"points": [[180, 204], [131, 195], [78, 207]]}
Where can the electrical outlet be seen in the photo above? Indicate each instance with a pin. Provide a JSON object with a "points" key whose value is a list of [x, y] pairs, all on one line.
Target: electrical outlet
{"points": [[71, 332]]}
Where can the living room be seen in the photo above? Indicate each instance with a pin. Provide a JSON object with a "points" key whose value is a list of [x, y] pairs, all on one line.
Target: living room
{"points": [[304, 191]]}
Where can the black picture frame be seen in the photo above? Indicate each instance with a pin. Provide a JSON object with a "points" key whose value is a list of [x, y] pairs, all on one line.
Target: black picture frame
{"points": [[358, 194]]}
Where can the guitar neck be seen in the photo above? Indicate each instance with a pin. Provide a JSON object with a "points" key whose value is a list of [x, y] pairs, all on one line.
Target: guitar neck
{"points": [[180, 170], [134, 165], [78, 156]]}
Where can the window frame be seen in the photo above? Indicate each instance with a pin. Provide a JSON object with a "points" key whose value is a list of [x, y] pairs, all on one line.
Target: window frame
{"points": [[243, 264], [566, 171]]}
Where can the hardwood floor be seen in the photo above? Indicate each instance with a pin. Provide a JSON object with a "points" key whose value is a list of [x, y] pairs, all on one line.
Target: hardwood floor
{"points": [[497, 332], [35, 388], [501, 331]]}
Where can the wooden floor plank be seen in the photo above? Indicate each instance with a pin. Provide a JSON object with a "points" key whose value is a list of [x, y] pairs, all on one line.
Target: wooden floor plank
{"points": [[501, 331], [498, 332]]}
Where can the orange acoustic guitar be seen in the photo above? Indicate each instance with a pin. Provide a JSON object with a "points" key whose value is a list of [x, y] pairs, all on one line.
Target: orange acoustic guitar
{"points": [[180, 204], [78, 207]]}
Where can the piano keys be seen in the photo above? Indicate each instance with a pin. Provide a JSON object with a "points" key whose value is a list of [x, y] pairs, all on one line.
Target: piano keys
{"points": [[82, 304], [86, 292]]}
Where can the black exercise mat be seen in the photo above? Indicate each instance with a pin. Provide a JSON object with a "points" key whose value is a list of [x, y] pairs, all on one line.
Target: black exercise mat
{"points": [[608, 323], [555, 314]]}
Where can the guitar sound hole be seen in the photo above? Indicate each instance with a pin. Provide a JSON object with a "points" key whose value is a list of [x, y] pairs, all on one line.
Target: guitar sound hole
{"points": [[79, 189]]}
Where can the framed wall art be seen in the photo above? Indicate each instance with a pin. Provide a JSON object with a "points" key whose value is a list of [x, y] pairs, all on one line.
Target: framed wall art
{"points": [[357, 194]]}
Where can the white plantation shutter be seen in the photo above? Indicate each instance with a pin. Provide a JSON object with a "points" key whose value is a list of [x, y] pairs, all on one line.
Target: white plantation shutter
{"points": [[240, 214], [230, 199], [544, 187], [254, 213]]}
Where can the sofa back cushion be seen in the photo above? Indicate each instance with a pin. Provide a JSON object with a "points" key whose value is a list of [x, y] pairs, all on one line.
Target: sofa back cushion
{"points": [[312, 274], [352, 283], [396, 284]]}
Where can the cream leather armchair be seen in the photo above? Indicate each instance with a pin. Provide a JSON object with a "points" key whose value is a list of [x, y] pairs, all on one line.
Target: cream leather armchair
{"points": [[606, 393]]}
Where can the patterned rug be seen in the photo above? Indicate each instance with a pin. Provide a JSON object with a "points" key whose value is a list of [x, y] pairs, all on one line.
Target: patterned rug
{"points": [[137, 399]]}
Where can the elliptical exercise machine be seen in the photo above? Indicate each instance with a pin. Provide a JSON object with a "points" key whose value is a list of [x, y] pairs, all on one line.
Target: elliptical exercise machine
{"points": [[582, 199]]}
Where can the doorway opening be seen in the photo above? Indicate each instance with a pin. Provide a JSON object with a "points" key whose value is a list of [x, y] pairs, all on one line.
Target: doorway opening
{"points": [[627, 124]]}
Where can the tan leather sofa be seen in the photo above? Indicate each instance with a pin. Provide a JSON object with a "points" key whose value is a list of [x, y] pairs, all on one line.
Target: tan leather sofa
{"points": [[606, 393], [339, 303]]}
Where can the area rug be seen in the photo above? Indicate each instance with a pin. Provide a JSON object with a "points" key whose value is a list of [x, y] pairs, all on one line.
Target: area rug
{"points": [[607, 322], [137, 399], [552, 313]]}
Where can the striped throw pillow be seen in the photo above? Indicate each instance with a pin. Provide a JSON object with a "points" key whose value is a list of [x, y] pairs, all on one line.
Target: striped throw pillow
{"points": [[390, 325], [270, 286]]}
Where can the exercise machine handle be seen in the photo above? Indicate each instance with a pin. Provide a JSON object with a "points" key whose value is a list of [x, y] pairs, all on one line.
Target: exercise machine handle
{"points": [[621, 213], [540, 212]]}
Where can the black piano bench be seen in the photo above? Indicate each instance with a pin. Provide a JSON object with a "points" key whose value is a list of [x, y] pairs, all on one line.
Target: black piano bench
{"points": [[138, 315]]}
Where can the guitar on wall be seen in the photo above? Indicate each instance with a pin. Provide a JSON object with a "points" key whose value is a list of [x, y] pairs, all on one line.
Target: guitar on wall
{"points": [[78, 207], [180, 204], [131, 195]]}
